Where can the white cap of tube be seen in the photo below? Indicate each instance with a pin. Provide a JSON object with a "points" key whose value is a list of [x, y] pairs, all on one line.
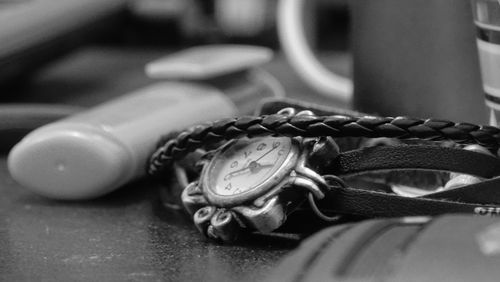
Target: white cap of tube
{"points": [[51, 160]]}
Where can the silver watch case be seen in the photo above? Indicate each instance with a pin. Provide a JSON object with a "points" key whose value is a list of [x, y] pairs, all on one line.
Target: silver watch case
{"points": [[263, 208]]}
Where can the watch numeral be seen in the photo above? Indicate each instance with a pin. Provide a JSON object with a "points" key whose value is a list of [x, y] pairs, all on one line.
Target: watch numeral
{"points": [[247, 153], [237, 190], [228, 186], [234, 164], [276, 144], [261, 146], [281, 152]]}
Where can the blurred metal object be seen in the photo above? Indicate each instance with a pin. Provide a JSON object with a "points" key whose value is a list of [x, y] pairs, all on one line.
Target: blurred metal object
{"points": [[458, 180], [455, 180], [461, 180]]}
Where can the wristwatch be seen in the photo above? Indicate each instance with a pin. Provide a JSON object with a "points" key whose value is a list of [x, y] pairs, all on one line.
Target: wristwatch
{"points": [[268, 165], [254, 183]]}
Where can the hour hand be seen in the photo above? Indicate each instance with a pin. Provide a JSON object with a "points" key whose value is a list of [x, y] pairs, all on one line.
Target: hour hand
{"points": [[237, 172], [253, 167]]}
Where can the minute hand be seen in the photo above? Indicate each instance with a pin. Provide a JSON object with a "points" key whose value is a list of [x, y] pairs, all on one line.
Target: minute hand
{"points": [[265, 154], [254, 167]]}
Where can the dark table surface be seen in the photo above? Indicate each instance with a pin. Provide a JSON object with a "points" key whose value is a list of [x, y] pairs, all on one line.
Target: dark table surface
{"points": [[127, 235]]}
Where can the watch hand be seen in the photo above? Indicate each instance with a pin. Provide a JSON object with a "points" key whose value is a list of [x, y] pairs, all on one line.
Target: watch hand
{"points": [[258, 167], [243, 170], [253, 167], [237, 172], [265, 154]]}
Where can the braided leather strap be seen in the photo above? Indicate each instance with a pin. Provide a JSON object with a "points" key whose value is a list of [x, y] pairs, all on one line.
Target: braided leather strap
{"points": [[316, 126]]}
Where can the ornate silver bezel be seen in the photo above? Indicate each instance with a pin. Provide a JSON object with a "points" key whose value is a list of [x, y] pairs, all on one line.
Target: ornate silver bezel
{"points": [[262, 208], [284, 170]]}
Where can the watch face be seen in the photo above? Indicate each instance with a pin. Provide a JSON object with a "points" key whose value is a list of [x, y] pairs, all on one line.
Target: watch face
{"points": [[249, 166]]}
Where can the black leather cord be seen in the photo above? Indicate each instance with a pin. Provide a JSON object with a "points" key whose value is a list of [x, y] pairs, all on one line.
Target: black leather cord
{"points": [[479, 198], [315, 126], [371, 204], [411, 157], [366, 202]]}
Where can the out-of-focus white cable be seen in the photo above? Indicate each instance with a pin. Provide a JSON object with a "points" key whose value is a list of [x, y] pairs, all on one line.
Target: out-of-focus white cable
{"points": [[241, 17], [299, 54]]}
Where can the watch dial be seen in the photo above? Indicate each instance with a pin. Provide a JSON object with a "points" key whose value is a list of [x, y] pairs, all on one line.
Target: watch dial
{"points": [[246, 164]]}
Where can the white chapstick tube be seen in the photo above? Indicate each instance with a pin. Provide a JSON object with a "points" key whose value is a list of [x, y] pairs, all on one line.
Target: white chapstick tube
{"points": [[94, 152]]}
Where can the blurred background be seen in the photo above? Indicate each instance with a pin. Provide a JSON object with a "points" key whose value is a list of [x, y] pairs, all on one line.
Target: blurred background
{"points": [[228, 21], [399, 63], [37, 35], [410, 57]]}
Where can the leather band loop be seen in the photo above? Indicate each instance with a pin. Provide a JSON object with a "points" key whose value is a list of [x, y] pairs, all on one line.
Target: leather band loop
{"points": [[366, 203], [415, 157]]}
